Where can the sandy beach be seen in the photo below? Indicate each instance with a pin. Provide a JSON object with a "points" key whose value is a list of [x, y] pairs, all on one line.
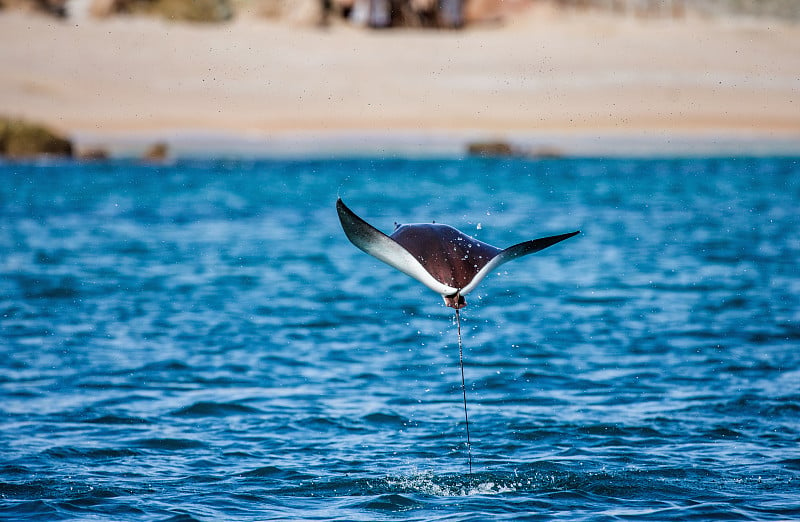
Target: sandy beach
{"points": [[577, 82]]}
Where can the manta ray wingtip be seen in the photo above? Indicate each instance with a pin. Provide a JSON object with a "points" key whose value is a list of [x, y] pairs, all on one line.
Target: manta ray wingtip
{"points": [[345, 214]]}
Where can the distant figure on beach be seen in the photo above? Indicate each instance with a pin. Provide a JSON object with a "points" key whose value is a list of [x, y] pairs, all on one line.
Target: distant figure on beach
{"points": [[451, 14], [380, 13]]}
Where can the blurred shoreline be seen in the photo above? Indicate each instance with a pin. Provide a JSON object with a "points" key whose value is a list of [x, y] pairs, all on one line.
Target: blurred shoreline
{"points": [[550, 81], [193, 143]]}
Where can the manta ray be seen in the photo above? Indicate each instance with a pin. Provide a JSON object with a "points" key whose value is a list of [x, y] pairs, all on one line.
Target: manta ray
{"points": [[444, 259]]}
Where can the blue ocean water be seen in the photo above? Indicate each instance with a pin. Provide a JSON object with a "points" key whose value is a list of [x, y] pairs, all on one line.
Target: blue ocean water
{"points": [[199, 341]]}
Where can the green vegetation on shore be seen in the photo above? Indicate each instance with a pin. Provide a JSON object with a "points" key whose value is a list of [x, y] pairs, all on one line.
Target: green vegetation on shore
{"points": [[786, 9], [183, 10]]}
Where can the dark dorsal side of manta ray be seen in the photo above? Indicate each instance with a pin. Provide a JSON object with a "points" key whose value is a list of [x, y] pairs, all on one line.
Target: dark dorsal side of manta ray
{"points": [[441, 257]]}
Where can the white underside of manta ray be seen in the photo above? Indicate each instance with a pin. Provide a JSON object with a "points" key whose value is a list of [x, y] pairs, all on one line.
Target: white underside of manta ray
{"points": [[441, 257]]}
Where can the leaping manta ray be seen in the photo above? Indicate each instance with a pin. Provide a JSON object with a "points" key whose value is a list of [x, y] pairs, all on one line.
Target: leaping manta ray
{"points": [[440, 257]]}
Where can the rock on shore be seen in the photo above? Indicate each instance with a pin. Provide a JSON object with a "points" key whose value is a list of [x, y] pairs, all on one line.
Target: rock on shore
{"points": [[22, 139]]}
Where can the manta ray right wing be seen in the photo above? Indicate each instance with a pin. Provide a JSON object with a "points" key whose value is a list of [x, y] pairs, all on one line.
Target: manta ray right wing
{"points": [[513, 252], [382, 247]]}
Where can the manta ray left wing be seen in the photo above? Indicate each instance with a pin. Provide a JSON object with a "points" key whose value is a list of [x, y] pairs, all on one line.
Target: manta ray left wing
{"points": [[382, 247], [513, 252]]}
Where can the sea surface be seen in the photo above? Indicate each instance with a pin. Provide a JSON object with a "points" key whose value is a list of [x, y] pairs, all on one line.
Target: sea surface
{"points": [[198, 340]]}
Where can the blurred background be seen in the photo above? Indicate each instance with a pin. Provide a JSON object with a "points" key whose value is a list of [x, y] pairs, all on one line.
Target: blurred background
{"points": [[267, 77], [393, 13]]}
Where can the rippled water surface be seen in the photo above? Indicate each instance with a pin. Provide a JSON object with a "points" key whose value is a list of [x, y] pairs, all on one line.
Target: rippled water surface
{"points": [[199, 341]]}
